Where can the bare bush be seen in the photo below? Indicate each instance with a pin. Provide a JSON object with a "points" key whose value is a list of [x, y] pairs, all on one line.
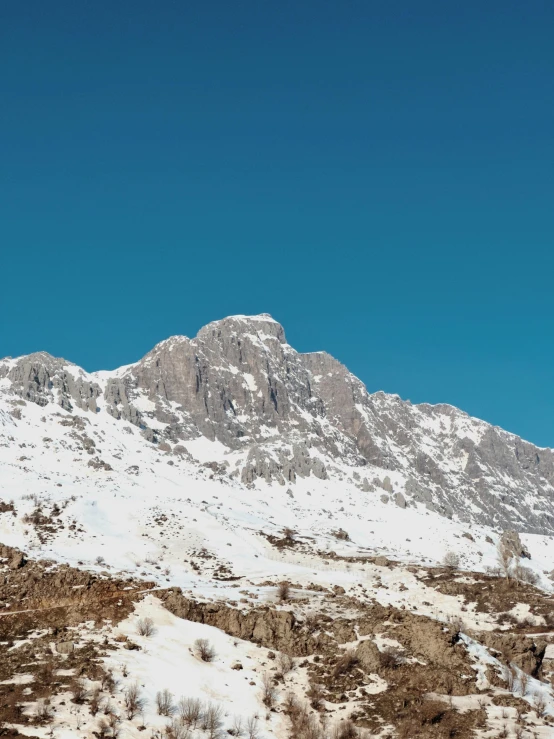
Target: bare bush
{"points": [[508, 618], [285, 663], [108, 682], [390, 658], [288, 533], [539, 704], [341, 534], [114, 722], [212, 719], [345, 730], [237, 728], [457, 624], [103, 728], [283, 591], [269, 693], [78, 691], [252, 729], [451, 560], [145, 627], [190, 712], [43, 711], [176, 730], [94, 704], [307, 726], [290, 703], [509, 676], [316, 695], [164, 703], [204, 650], [345, 662], [527, 575], [133, 701], [523, 683]]}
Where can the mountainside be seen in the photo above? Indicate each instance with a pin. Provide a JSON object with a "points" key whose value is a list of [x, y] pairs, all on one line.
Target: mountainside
{"points": [[283, 415], [233, 522]]}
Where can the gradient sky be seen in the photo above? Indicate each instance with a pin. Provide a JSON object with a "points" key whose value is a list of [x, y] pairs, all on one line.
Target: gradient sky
{"points": [[376, 175]]}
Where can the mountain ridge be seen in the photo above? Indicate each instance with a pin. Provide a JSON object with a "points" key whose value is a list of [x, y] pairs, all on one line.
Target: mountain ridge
{"points": [[292, 414]]}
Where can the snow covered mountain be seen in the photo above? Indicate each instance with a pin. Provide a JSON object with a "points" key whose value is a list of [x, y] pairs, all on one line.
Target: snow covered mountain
{"points": [[260, 500], [275, 415]]}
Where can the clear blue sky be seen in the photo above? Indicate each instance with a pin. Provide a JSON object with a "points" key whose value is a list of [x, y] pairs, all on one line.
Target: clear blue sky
{"points": [[376, 175]]}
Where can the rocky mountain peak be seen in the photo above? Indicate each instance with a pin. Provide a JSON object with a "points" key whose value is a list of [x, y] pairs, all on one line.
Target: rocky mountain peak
{"points": [[291, 415], [262, 325]]}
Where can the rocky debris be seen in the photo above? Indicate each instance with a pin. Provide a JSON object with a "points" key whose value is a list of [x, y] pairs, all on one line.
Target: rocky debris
{"points": [[525, 652], [15, 558], [17, 561], [512, 541], [400, 500], [369, 657], [65, 647], [98, 464], [6, 507], [495, 595], [282, 465]]}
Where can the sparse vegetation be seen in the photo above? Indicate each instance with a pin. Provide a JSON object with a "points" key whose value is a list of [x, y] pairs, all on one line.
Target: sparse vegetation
{"points": [[285, 663], [237, 728], [212, 719], [145, 627], [176, 730], [252, 728], [345, 662], [539, 704], [390, 658], [341, 534], [268, 690], [204, 650], [315, 694], [190, 712], [164, 703], [283, 591], [95, 700], [78, 691], [43, 711], [451, 560], [133, 701]]}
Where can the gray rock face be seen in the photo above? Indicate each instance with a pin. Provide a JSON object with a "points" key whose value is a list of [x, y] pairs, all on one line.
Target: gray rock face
{"points": [[43, 379], [299, 415]]}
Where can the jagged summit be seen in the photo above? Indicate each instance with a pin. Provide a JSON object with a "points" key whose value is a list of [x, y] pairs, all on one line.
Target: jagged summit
{"points": [[290, 415], [261, 325]]}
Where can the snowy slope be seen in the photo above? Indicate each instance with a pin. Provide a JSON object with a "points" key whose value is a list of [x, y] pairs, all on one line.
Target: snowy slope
{"points": [[186, 467]]}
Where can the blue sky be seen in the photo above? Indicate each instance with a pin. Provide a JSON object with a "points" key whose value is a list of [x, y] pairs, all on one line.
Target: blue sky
{"points": [[376, 175]]}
